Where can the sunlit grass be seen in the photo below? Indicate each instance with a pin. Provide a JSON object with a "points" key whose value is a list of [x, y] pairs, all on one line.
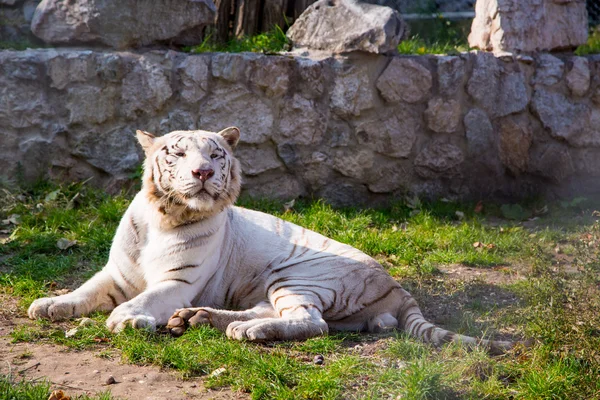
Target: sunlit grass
{"points": [[272, 41], [592, 46], [557, 311]]}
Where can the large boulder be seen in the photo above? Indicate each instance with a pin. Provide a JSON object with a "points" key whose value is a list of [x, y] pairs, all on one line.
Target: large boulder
{"points": [[528, 26], [121, 24], [342, 26]]}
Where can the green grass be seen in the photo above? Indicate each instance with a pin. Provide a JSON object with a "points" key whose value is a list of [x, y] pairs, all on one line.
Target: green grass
{"points": [[417, 45], [16, 389], [557, 310], [272, 41], [592, 46], [18, 45]]}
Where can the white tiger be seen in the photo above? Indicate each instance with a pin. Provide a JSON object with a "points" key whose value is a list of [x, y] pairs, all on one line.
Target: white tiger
{"points": [[183, 247]]}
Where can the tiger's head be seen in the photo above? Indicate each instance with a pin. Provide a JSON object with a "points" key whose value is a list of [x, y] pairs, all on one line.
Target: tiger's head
{"points": [[190, 175]]}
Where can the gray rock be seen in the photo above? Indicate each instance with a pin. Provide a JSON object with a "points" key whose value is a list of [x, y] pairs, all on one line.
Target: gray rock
{"points": [[549, 70], [70, 68], [514, 142], [234, 105], [315, 76], [578, 77], [438, 158], [564, 119], [29, 10], [479, 132], [340, 133], [586, 161], [352, 92], [353, 163], [528, 26], [316, 170], [387, 177], [178, 121], [257, 159], [393, 134], [342, 26], [24, 101], [443, 116], [552, 161], [589, 136], [499, 88], [114, 152], [301, 122], [406, 80], [273, 185], [123, 24], [109, 67], [345, 194], [193, 75], [89, 104], [451, 72], [232, 67], [145, 89], [23, 107], [272, 75]]}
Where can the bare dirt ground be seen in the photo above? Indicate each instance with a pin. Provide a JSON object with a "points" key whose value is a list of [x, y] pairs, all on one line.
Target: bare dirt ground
{"points": [[79, 372]]}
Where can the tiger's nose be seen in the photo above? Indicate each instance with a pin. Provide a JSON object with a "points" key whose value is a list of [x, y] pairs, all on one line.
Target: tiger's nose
{"points": [[202, 174]]}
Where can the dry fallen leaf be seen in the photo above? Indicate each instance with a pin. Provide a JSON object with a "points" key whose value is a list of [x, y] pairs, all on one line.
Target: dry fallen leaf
{"points": [[58, 395], [217, 372], [287, 207], [64, 243], [71, 332], [477, 244], [14, 219], [478, 207]]}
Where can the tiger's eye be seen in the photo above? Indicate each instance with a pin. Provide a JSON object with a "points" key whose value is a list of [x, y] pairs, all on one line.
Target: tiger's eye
{"points": [[214, 156], [180, 154]]}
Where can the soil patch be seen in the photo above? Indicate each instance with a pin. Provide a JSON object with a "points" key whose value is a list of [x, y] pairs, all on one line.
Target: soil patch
{"points": [[79, 372]]}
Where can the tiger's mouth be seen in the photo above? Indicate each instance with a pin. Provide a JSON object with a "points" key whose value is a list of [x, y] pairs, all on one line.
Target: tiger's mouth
{"points": [[197, 193]]}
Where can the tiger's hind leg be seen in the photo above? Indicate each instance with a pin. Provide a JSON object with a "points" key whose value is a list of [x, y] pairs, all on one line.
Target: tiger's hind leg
{"points": [[219, 319], [298, 317], [382, 323]]}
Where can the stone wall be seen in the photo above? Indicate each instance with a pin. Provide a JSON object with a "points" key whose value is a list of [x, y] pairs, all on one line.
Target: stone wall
{"points": [[352, 130]]}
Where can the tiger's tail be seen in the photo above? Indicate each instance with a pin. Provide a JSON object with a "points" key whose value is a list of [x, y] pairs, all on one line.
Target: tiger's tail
{"points": [[411, 320]]}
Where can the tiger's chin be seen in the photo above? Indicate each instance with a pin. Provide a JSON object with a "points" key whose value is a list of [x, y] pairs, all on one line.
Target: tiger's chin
{"points": [[202, 202]]}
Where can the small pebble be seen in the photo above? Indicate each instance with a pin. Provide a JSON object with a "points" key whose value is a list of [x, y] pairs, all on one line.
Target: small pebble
{"points": [[111, 380], [95, 371], [319, 359]]}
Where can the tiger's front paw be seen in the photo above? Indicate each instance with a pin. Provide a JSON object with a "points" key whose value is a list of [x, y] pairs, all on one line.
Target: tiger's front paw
{"points": [[185, 317], [56, 308], [125, 315]]}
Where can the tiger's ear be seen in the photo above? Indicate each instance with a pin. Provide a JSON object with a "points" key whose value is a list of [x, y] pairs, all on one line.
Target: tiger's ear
{"points": [[231, 135], [146, 139]]}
